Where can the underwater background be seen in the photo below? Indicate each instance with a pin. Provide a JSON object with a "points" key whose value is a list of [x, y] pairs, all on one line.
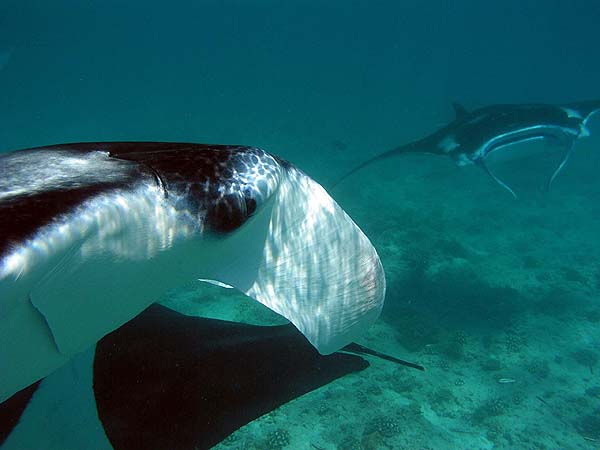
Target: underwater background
{"points": [[482, 288]]}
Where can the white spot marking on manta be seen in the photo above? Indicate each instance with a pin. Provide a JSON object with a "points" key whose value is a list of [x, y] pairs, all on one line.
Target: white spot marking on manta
{"points": [[583, 130], [572, 113], [463, 160], [448, 144], [60, 168]]}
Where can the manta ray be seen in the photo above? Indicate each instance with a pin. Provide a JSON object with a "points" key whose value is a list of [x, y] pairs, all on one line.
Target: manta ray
{"points": [[91, 234], [165, 380], [474, 135]]}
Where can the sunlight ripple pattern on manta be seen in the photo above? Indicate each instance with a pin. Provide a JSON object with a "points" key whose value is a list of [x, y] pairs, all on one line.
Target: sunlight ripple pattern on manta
{"points": [[93, 233]]}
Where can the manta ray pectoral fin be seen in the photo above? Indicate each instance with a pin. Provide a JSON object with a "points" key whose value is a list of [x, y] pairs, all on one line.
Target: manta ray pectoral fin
{"points": [[561, 164], [165, 380], [481, 163]]}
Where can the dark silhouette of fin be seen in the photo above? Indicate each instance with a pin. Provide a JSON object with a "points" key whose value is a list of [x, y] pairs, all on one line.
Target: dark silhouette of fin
{"points": [[11, 410], [459, 110], [362, 350], [169, 381]]}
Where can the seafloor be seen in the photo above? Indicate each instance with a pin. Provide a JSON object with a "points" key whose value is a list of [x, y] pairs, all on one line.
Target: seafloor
{"points": [[496, 297]]}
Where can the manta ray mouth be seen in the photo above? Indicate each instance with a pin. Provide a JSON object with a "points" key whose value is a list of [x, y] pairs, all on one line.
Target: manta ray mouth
{"points": [[528, 134], [563, 134]]}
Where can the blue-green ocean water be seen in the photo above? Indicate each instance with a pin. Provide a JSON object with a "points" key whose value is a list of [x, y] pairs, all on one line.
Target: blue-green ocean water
{"points": [[481, 287]]}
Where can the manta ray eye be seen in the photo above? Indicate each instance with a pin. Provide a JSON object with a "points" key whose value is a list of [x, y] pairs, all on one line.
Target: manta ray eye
{"points": [[229, 212], [250, 204]]}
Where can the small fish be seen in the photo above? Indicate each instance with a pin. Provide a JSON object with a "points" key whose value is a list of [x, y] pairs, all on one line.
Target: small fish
{"points": [[506, 380], [473, 136]]}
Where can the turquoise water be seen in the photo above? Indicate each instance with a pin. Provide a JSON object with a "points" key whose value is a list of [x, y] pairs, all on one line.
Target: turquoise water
{"points": [[482, 288]]}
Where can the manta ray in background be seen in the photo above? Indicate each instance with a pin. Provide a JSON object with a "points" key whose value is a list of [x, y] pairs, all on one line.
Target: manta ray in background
{"points": [[473, 136], [91, 234], [166, 381]]}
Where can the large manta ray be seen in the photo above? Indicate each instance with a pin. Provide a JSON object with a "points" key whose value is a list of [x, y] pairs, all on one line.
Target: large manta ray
{"points": [[91, 234], [473, 136], [166, 381]]}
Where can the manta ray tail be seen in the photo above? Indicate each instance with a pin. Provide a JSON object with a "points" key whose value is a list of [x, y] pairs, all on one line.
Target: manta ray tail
{"points": [[408, 148], [362, 350], [496, 179]]}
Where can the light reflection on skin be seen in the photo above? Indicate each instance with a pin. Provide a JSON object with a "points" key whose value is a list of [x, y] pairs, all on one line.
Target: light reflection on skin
{"points": [[320, 262], [132, 225], [59, 168]]}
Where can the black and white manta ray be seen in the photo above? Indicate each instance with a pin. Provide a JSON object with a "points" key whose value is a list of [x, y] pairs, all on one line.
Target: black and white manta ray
{"points": [[473, 136], [91, 234]]}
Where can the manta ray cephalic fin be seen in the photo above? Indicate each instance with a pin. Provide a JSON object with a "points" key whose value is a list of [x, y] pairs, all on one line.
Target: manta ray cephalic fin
{"points": [[482, 164], [561, 164]]}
